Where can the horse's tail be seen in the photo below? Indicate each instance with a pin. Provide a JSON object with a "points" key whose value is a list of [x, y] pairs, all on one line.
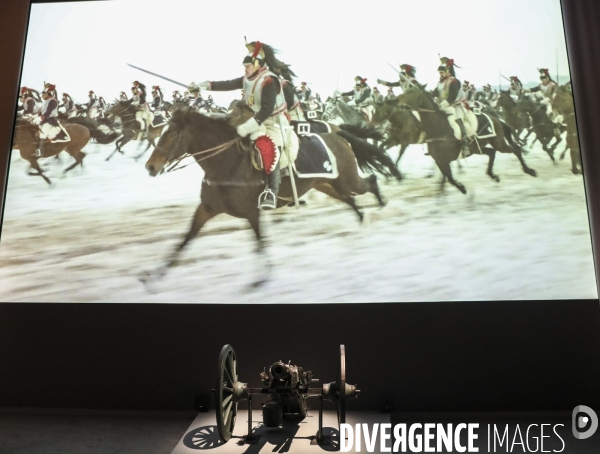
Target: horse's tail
{"points": [[369, 157], [362, 131]]}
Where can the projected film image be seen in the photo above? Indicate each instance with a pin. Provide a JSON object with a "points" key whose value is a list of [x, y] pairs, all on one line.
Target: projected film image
{"points": [[179, 152]]}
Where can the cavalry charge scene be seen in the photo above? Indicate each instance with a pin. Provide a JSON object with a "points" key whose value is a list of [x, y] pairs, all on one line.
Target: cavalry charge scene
{"points": [[425, 168]]}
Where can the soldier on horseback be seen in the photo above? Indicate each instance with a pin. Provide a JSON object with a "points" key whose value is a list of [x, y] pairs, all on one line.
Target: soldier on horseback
{"points": [[123, 96], [31, 105], [143, 115], [197, 101], [93, 105], [69, 105], [547, 87], [101, 107], [177, 97], [407, 76], [269, 128], [48, 121], [516, 88], [390, 96], [487, 96], [304, 92], [451, 99], [51, 89], [362, 97], [157, 98], [377, 96]]}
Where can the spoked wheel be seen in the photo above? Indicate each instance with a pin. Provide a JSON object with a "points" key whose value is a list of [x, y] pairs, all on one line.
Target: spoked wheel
{"points": [[228, 391]]}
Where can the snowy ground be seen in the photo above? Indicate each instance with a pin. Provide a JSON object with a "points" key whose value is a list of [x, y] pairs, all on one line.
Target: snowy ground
{"points": [[88, 238]]}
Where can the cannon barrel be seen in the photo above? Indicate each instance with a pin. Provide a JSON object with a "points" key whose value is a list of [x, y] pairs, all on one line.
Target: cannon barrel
{"points": [[280, 371]]}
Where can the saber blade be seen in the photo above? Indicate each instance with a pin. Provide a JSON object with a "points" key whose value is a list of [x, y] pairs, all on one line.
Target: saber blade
{"points": [[158, 75]]}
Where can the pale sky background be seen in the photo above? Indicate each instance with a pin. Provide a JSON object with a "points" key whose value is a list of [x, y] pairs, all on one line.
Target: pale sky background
{"points": [[82, 46]]}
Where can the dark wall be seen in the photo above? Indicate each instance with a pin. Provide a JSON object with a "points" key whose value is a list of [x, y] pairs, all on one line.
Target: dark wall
{"points": [[430, 357]]}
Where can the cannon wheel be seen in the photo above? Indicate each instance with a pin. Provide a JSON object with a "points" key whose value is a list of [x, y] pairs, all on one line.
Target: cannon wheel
{"points": [[341, 387], [225, 399]]}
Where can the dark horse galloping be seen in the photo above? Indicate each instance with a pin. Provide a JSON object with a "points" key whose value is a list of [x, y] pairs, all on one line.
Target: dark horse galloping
{"points": [[232, 185], [131, 128], [443, 146]]}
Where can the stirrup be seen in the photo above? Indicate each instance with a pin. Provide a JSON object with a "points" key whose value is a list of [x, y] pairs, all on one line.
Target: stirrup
{"points": [[269, 200]]}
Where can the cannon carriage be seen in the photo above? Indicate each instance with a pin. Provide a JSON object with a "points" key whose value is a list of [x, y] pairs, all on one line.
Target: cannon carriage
{"points": [[288, 387]]}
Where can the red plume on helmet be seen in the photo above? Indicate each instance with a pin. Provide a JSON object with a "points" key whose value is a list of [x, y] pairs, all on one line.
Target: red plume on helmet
{"points": [[257, 48], [545, 73], [516, 80], [24, 90], [409, 69]]}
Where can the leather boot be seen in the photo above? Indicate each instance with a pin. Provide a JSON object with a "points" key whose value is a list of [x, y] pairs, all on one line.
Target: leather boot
{"points": [[464, 143], [267, 200]]}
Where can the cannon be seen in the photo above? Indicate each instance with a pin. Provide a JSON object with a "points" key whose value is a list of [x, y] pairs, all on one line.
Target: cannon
{"points": [[288, 388]]}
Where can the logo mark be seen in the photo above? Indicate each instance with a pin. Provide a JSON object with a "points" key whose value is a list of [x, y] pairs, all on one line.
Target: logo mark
{"points": [[584, 418]]}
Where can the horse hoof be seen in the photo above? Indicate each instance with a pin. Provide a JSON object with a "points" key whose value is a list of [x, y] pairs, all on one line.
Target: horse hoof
{"points": [[531, 172]]}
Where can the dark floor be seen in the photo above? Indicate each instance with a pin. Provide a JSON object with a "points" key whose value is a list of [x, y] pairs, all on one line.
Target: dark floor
{"points": [[89, 432]]}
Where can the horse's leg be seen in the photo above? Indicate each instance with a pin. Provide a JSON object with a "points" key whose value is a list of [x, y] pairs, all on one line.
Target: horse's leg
{"points": [[150, 142], [563, 154], [403, 148], [264, 263], [444, 167], [326, 188], [78, 156], [118, 144], [374, 189], [575, 161], [544, 140], [202, 215], [490, 168], [36, 166]]}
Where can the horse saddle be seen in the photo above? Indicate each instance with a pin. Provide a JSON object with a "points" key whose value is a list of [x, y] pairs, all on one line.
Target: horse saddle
{"points": [[315, 159], [485, 126], [158, 120]]}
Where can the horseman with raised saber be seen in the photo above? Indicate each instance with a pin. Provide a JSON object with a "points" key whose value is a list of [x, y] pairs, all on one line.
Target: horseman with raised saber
{"points": [[269, 128]]}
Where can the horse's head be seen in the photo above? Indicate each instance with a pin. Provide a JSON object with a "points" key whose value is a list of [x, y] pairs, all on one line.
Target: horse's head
{"points": [[239, 113], [25, 132], [415, 97], [173, 143], [526, 105], [384, 111], [563, 101], [120, 109], [504, 99]]}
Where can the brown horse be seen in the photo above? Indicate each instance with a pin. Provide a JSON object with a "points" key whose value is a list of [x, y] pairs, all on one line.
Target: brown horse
{"points": [[404, 128], [131, 128], [563, 105], [26, 140], [443, 146], [232, 185]]}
